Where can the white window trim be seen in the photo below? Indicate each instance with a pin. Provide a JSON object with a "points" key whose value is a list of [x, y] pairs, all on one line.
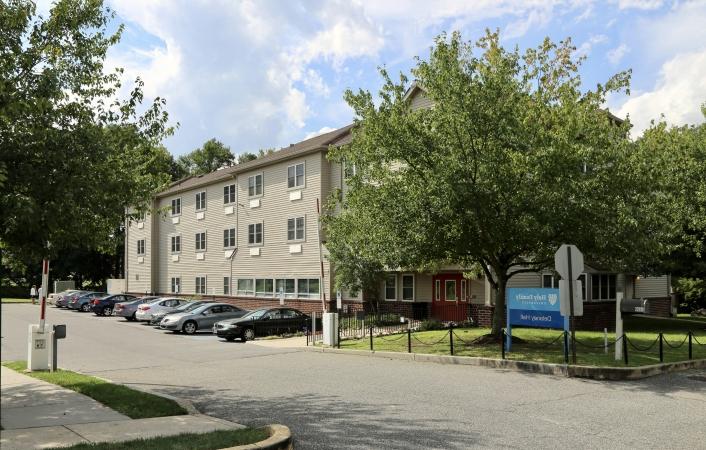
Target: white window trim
{"points": [[204, 286], [464, 285], [171, 284], [256, 244], [454, 282], [263, 294], [230, 287], [295, 187], [295, 228], [308, 295], [384, 284], [205, 241], [600, 299], [286, 294], [555, 279], [235, 194], [235, 238], [144, 247], [246, 294], [203, 208], [181, 207], [437, 290], [171, 246], [247, 187], [414, 287]]}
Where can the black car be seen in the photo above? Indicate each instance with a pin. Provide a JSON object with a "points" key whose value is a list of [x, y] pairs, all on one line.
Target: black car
{"points": [[262, 322], [103, 306]]}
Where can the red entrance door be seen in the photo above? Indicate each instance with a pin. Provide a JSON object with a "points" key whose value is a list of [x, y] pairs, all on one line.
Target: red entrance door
{"points": [[449, 299]]}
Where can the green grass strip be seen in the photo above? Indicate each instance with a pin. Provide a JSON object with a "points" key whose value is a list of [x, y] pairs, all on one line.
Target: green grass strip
{"points": [[17, 300], [188, 441], [130, 402]]}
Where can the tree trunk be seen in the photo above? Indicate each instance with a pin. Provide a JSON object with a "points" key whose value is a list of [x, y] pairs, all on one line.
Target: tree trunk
{"points": [[500, 310]]}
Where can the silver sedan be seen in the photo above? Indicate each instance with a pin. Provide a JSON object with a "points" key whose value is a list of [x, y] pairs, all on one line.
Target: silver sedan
{"points": [[201, 318]]}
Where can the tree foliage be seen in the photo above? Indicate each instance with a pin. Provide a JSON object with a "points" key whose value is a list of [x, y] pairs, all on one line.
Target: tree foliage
{"points": [[73, 154], [512, 161], [212, 155]]}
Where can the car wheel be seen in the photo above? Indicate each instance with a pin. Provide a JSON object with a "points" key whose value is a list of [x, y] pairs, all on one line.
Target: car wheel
{"points": [[131, 318], [248, 334], [85, 307], [230, 338], [108, 311], [189, 327]]}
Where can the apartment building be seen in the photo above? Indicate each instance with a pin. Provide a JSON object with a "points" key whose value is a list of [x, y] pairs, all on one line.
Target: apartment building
{"points": [[246, 233]]}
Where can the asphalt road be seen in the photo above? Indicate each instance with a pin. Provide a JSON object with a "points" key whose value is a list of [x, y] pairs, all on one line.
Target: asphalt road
{"points": [[351, 402]]}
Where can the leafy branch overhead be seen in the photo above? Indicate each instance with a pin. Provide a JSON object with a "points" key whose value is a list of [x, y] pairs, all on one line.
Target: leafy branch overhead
{"points": [[512, 160], [73, 155]]}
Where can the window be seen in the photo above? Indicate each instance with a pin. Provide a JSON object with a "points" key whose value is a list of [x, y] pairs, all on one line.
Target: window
{"points": [[245, 286], [176, 285], [450, 290], [255, 233], [200, 241], [308, 288], [582, 279], [229, 238], [349, 169], [255, 185], [226, 285], [408, 287], [141, 247], [176, 206], [200, 285], [229, 194], [603, 286], [264, 287], [295, 229], [201, 201], [176, 244], [295, 176], [285, 285], [391, 287], [289, 314], [550, 281], [437, 290], [463, 290]]}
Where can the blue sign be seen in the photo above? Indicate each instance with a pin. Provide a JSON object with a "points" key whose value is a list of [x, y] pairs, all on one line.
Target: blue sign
{"points": [[532, 307]]}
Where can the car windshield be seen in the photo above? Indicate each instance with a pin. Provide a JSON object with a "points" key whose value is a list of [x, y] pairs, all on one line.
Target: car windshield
{"points": [[254, 315], [103, 297], [189, 306]]}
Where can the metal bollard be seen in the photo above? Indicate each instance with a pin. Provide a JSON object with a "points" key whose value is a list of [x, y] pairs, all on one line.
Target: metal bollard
{"points": [[661, 349], [566, 347], [451, 339], [689, 344], [409, 340], [371, 338], [502, 344], [625, 348]]}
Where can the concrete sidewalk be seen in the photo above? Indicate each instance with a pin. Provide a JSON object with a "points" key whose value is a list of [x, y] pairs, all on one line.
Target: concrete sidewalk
{"points": [[290, 342], [36, 414]]}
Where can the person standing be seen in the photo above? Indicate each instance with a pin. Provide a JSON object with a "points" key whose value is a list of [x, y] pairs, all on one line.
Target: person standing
{"points": [[39, 293], [33, 294]]}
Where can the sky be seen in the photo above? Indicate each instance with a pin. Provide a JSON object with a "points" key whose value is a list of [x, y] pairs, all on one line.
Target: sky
{"points": [[266, 73]]}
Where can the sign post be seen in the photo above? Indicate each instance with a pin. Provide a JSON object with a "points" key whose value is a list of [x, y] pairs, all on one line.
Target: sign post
{"points": [[618, 326], [568, 262]]}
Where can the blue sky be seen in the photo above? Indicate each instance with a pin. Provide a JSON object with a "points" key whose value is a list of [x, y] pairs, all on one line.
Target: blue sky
{"points": [[265, 73]]}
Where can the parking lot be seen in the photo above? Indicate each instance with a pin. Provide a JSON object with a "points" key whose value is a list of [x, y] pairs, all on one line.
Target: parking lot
{"points": [[352, 402]]}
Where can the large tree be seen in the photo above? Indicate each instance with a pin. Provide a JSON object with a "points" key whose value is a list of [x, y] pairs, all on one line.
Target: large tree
{"points": [[212, 155], [512, 160], [73, 154]]}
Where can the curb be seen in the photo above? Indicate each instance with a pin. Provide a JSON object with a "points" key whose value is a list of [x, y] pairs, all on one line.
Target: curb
{"points": [[280, 439], [596, 373]]}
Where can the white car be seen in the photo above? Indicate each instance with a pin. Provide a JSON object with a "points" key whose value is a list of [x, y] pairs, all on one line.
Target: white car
{"points": [[163, 304]]}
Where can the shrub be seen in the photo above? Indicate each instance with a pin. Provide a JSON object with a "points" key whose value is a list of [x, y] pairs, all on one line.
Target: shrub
{"points": [[429, 325], [692, 292]]}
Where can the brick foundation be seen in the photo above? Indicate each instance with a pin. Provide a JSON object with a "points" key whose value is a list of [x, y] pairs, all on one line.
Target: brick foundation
{"points": [[660, 307]]}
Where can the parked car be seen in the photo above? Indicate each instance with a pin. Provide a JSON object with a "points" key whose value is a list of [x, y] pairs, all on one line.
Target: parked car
{"points": [[163, 304], [263, 322], [103, 306], [200, 318], [84, 302], [188, 306], [128, 309], [65, 297]]}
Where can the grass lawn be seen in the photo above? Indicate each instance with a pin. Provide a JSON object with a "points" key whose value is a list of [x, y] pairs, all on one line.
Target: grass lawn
{"points": [[187, 441], [134, 404], [546, 345], [16, 300], [690, 317]]}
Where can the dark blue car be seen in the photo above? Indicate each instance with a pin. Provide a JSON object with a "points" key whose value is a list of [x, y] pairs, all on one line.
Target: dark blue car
{"points": [[103, 306]]}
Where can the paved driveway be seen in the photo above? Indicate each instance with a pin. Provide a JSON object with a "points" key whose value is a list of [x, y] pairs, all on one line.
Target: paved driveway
{"points": [[352, 402]]}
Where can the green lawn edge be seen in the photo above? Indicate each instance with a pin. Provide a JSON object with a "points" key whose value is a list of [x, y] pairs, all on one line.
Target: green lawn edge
{"points": [[187, 441], [16, 300], [130, 402]]}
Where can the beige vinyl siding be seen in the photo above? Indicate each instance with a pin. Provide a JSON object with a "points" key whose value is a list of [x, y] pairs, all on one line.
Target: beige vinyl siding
{"points": [[275, 259], [138, 276], [652, 287], [214, 265], [477, 291], [422, 287], [420, 100], [526, 280]]}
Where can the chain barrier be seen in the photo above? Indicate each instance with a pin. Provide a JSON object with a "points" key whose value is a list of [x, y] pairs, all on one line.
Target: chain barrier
{"points": [[676, 346], [693, 336], [642, 349], [546, 345], [443, 338], [602, 346], [392, 340], [474, 341]]}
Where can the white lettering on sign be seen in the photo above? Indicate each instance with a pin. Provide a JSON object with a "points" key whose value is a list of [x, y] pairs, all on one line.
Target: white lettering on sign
{"points": [[536, 318]]}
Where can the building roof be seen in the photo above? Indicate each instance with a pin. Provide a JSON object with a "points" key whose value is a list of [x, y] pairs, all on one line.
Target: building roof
{"points": [[311, 145]]}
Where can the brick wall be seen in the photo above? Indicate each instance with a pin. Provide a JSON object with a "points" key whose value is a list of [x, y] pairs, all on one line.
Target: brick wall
{"points": [[597, 316], [659, 306]]}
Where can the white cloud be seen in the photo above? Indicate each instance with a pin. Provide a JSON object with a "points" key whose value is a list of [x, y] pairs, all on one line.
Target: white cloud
{"points": [[616, 54], [678, 94], [317, 133], [585, 48], [640, 4]]}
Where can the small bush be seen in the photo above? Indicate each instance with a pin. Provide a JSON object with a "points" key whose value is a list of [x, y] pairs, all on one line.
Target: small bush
{"points": [[429, 325]]}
